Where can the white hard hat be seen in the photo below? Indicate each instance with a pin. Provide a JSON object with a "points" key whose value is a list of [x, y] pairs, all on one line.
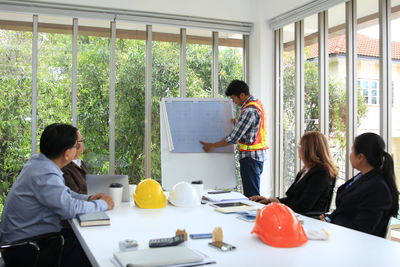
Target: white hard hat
{"points": [[184, 195]]}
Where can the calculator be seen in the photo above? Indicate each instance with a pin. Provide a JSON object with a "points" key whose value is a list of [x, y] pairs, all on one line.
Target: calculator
{"points": [[166, 242]]}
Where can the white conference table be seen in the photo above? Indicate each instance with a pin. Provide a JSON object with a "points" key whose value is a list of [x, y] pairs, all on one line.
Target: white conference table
{"points": [[345, 247]]}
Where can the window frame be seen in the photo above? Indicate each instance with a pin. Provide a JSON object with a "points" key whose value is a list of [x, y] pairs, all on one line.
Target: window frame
{"points": [[114, 16], [383, 97]]}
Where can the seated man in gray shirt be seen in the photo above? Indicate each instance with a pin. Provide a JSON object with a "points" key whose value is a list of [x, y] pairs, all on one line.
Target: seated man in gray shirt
{"points": [[39, 199]]}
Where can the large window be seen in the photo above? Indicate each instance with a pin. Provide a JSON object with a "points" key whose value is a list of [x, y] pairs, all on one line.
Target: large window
{"points": [[53, 75], [15, 100], [337, 87], [93, 92], [289, 109], [165, 84], [368, 65], [348, 80], [230, 59], [199, 63], [120, 149], [129, 100], [311, 86], [395, 142]]}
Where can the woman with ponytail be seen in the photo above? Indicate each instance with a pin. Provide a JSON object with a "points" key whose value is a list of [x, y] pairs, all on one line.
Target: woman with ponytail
{"points": [[368, 200]]}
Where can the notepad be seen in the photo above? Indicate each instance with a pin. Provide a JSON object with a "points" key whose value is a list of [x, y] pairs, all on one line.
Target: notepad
{"points": [[93, 219], [158, 257]]}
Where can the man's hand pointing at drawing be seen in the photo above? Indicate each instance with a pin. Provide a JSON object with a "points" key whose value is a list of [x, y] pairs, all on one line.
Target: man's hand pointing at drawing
{"points": [[208, 147]]}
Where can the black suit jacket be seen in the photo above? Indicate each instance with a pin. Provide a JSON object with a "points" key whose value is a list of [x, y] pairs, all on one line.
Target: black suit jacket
{"points": [[311, 193], [365, 205]]}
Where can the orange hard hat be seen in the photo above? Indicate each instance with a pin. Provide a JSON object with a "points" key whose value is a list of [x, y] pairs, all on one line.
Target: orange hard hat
{"points": [[278, 226]]}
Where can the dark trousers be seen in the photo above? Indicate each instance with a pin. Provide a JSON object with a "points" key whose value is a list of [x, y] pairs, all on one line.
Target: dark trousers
{"points": [[250, 171], [73, 254]]}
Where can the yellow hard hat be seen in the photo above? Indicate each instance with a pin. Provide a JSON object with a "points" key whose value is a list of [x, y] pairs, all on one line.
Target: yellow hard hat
{"points": [[149, 195]]}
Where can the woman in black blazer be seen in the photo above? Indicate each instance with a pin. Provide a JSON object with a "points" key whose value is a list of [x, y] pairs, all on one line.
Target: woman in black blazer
{"points": [[310, 190], [368, 200]]}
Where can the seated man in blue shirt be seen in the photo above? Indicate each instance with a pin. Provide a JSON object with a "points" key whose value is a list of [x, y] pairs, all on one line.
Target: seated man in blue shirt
{"points": [[39, 199]]}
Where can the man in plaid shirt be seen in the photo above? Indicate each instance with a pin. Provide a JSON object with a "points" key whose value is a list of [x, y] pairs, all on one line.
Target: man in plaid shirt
{"points": [[249, 134]]}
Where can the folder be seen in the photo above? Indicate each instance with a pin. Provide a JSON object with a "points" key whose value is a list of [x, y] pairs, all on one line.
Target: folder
{"points": [[158, 257]]}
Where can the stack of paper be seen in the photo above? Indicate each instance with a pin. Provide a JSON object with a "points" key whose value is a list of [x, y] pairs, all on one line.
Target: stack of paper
{"points": [[229, 197]]}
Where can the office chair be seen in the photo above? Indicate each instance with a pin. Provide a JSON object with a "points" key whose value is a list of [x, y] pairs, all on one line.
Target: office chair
{"points": [[26, 252], [316, 214], [393, 229]]}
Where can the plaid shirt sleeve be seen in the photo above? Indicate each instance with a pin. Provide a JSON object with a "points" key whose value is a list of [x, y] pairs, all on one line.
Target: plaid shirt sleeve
{"points": [[246, 120]]}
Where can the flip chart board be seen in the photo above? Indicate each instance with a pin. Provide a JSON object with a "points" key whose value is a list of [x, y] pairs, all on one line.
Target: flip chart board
{"points": [[193, 120], [184, 123]]}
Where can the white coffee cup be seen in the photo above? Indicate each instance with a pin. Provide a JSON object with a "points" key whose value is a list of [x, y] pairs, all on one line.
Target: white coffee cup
{"points": [[199, 187], [132, 189], [116, 193]]}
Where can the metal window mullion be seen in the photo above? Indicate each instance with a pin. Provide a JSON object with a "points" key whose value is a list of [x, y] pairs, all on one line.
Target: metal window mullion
{"points": [[148, 93], [385, 69], [246, 58], [74, 73], [112, 98], [351, 93], [182, 64], [299, 87], [214, 64], [278, 116], [35, 32], [323, 72]]}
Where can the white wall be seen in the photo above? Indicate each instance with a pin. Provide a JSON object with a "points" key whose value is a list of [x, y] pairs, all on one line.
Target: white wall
{"points": [[261, 39], [261, 66]]}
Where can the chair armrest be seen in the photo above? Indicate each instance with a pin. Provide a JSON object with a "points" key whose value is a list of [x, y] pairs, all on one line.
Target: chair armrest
{"points": [[32, 240]]}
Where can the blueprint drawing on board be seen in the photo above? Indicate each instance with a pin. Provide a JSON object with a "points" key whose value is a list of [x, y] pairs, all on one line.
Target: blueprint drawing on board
{"points": [[193, 120]]}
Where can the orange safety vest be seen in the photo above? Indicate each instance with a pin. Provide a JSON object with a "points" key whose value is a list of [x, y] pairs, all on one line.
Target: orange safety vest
{"points": [[261, 138]]}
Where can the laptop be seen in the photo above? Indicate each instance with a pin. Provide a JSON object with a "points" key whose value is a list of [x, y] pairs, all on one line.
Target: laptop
{"points": [[101, 183]]}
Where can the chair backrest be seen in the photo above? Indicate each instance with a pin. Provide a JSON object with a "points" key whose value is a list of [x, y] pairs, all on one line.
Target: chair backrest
{"points": [[331, 190]]}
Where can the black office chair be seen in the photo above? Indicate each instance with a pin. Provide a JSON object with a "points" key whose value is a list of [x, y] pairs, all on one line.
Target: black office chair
{"points": [[316, 214], [26, 252]]}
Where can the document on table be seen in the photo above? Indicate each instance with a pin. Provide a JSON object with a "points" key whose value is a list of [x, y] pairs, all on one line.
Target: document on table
{"points": [[228, 197], [237, 209], [166, 256]]}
